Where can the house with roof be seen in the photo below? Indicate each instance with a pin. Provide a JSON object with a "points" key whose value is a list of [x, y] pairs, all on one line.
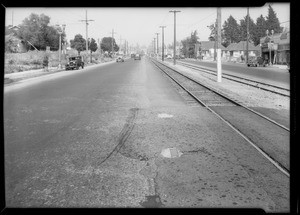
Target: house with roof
{"points": [[236, 50], [207, 49]]}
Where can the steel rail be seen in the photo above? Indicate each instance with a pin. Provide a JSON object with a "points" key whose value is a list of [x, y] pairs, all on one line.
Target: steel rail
{"points": [[266, 155], [212, 72], [230, 99]]}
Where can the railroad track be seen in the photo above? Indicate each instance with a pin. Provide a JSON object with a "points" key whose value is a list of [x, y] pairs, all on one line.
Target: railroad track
{"points": [[263, 86], [215, 101]]}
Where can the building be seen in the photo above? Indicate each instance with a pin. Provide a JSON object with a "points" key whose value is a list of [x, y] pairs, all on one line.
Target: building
{"points": [[238, 50], [207, 50], [277, 47]]}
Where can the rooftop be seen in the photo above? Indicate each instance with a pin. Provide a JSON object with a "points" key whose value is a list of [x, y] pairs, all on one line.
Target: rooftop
{"points": [[206, 45], [242, 45]]}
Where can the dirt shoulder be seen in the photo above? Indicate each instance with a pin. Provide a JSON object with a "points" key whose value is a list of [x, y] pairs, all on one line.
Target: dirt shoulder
{"points": [[272, 105]]}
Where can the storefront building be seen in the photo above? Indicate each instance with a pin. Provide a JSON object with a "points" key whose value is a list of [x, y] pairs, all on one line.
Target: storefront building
{"points": [[276, 47]]}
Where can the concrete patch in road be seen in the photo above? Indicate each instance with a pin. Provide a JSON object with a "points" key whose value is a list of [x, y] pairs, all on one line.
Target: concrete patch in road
{"points": [[164, 115], [152, 202], [171, 153]]}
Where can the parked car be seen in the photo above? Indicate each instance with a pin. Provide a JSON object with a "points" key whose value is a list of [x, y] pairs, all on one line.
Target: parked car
{"points": [[137, 57], [180, 57], [74, 63], [256, 61], [120, 59]]}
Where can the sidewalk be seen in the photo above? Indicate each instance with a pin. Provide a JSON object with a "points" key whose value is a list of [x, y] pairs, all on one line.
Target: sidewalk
{"points": [[280, 66], [18, 76]]}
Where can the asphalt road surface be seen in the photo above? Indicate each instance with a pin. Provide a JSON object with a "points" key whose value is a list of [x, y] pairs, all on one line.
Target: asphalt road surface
{"points": [[276, 76], [99, 137]]}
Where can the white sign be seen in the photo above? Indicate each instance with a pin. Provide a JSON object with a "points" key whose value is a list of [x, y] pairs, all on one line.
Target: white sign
{"points": [[272, 46]]}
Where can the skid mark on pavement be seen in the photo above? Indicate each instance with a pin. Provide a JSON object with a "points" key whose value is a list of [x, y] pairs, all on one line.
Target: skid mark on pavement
{"points": [[125, 133]]}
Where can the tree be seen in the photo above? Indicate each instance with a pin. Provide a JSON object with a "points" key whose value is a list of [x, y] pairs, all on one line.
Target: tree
{"points": [[213, 36], [93, 45], [192, 42], [188, 44], [230, 31], [106, 44], [243, 29], [36, 30], [185, 46], [11, 43], [260, 29], [272, 21], [78, 43], [213, 33]]}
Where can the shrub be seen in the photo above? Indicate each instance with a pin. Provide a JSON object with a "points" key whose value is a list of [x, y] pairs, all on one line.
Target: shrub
{"points": [[36, 62]]}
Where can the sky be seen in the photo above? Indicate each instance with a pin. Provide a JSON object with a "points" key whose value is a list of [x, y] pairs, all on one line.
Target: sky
{"points": [[140, 25]]}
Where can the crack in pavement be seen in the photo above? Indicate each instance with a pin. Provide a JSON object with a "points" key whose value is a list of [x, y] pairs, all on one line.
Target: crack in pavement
{"points": [[153, 200], [202, 149]]}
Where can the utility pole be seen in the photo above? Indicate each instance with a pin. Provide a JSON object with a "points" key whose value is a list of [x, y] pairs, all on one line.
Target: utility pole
{"points": [[154, 45], [174, 53], [219, 66], [99, 47], [125, 47], [163, 45], [157, 51], [112, 41], [216, 39], [247, 52], [86, 29], [120, 43]]}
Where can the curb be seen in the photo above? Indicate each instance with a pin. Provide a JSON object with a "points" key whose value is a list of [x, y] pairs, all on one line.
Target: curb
{"points": [[10, 81]]}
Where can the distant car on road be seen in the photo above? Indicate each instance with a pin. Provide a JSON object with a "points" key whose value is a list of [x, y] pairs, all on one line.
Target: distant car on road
{"points": [[256, 61], [137, 57], [120, 59], [74, 63]]}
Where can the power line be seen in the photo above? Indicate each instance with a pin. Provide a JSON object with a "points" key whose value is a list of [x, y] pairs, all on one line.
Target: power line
{"points": [[201, 20], [164, 18]]}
